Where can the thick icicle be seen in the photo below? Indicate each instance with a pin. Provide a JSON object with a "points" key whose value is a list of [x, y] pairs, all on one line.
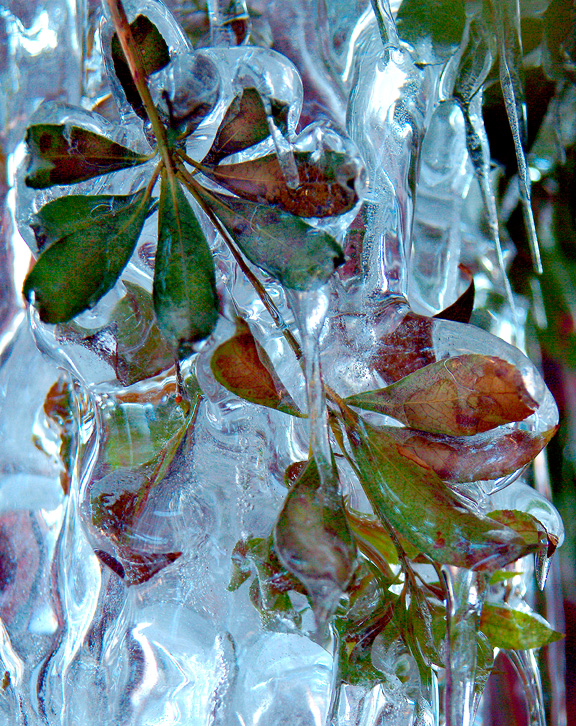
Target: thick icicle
{"points": [[229, 22], [465, 597], [526, 666], [507, 18]]}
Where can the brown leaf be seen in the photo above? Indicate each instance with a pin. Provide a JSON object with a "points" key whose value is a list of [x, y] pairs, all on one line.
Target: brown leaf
{"points": [[459, 396], [243, 125], [326, 185], [461, 309], [136, 567], [405, 349], [242, 366], [463, 459]]}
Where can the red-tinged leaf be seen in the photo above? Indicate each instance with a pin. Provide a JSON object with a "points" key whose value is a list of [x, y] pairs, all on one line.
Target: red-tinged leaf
{"points": [[154, 55], [296, 254], [470, 458], [373, 541], [528, 527], [59, 408], [185, 299], [405, 349], [459, 396], [88, 253], [243, 125], [515, 629], [313, 541], [326, 185], [62, 154], [461, 309], [293, 472], [242, 366], [136, 567], [417, 503]]}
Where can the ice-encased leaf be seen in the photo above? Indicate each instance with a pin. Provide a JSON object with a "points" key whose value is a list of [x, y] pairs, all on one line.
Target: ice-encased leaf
{"points": [[472, 458], [242, 366], [184, 294], [86, 254], [326, 183], [531, 529], [416, 502], [153, 52], [511, 629], [313, 541], [244, 125], [61, 154], [459, 396], [296, 254], [141, 350], [405, 349]]}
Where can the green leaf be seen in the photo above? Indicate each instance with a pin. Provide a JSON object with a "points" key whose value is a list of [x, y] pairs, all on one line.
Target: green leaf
{"points": [[313, 541], [141, 350], [514, 629], [459, 396], [87, 255], [441, 22], [153, 52], [61, 154], [243, 125], [413, 500], [242, 366], [531, 529], [297, 255], [184, 294], [470, 458], [326, 186]]}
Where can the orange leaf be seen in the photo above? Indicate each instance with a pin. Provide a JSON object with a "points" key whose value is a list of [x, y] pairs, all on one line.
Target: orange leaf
{"points": [[242, 366], [462, 459], [459, 396]]}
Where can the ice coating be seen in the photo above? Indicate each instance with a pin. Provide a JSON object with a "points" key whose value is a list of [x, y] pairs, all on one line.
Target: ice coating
{"points": [[174, 644]]}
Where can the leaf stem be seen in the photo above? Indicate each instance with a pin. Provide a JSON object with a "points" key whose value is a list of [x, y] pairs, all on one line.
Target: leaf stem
{"points": [[136, 66], [267, 301]]}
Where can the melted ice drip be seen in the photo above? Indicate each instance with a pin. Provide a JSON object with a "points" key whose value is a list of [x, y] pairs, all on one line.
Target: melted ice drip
{"points": [[465, 599]]}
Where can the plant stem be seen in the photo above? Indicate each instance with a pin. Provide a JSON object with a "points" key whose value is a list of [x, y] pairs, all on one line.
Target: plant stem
{"points": [[136, 66], [267, 301]]}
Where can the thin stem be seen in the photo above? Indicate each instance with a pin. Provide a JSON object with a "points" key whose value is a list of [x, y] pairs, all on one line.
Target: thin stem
{"points": [[136, 66], [267, 301]]}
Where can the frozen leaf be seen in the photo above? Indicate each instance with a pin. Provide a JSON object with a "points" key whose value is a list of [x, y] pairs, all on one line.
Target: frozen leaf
{"points": [[440, 22], [154, 55], [185, 299], [243, 125], [461, 309], [242, 366], [314, 543], [515, 629], [141, 350], [417, 503], [87, 255], [528, 527], [326, 184], [59, 408], [62, 154], [459, 396], [269, 591], [462, 459], [297, 255], [136, 567], [371, 537], [405, 349]]}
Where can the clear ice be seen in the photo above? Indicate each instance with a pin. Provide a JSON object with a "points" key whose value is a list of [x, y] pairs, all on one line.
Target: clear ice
{"points": [[114, 606]]}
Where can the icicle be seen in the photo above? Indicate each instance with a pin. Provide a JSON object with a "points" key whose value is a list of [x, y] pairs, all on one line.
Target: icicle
{"points": [[229, 22], [507, 15], [465, 598], [310, 310], [479, 150], [526, 665]]}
